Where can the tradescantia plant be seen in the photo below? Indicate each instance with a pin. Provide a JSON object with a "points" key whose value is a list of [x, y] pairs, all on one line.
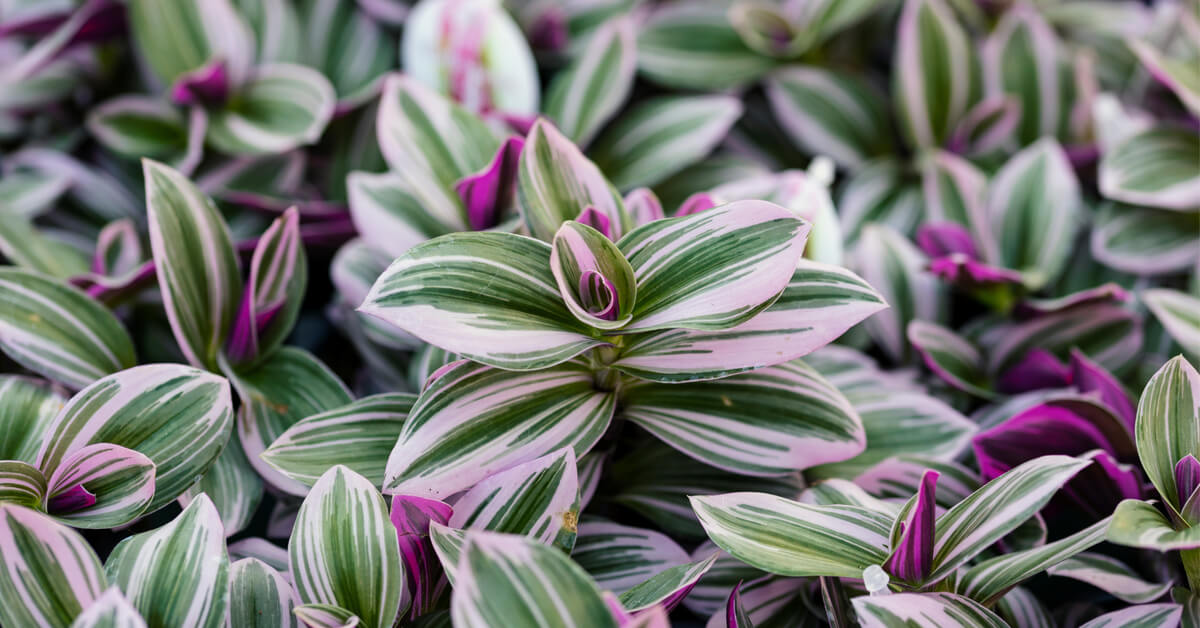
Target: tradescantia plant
{"points": [[615, 313]]}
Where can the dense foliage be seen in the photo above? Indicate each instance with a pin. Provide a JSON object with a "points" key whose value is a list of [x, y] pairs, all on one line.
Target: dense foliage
{"points": [[599, 313]]}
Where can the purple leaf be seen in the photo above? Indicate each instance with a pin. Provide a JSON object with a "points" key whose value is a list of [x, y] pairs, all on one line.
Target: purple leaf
{"points": [[939, 239], [913, 557], [1187, 479], [735, 615], [549, 30], [1090, 377], [1106, 293], [644, 206], [696, 203], [1038, 369], [424, 580], [272, 296], [598, 295], [487, 193], [71, 500], [596, 220], [207, 85], [960, 268]]}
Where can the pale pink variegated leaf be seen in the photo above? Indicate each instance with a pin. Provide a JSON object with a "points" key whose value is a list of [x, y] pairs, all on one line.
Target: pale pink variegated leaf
{"points": [[895, 268], [1020, 59], [595, 281], [281, 106], [619, 557], [1154, 168], [274, 292], [100, 486], [937, 609], [260, 596], [110, 610], [933, 70], [830, 113], [1144, 616], [588, 92], [394, 211]]}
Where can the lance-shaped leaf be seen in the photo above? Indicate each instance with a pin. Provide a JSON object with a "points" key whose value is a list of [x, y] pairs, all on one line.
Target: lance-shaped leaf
{"points": [[22, 484], [745, 252], [137, 126], [177, 416], [660, 137], [29, 407], [1154, 168], [789, 538], [281, 107], [896, 269], [274, 292], [326, 616], [829, 113], [344, 551], [768, 422], [176, 38], [359, 435], [1109, 334], [24, 245], [259, 596], [1168, 426], [996, 509], [1140, 524], [912, 555], [951, 357], [932, 77], [933, 609], [31, 194], [100, 486], [176, 575], [954, 193], [50, 572], [820, 302], [509, 580], [1122, 234], [490, 297], [1019, 607], [1143, 616], [666, 588], [711, 593], [992, 578], [290, 385], [1111, 576], [556, 182], [693, 45], [594, 279], [394, 212], [413, 517], [489, 193], [620, 557], [1021, 58], [538, 499], [118, 248], [1177, 312], [348, 46], [57, 331], [195, 261], [1177, 74], [588, 92], [880, 192], [475, 420], [233, 485], [110, 610]]}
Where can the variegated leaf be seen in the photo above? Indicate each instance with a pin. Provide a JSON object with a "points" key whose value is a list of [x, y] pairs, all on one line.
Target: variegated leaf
{"points": [[475, 420], [22, 244], [22, 484], [261, 549], [820, 303], [290, 385], [538, 499], [1109, 334], [276, 28], [693, 45], [954, 189], [1140, 524], [31, 194], [510, 580], [274, 291], [712, 591], [1020, 608], [176, 416], [50, 573], [1111, 576], [587, 93], [100, 486], [259, 597], [933, 72], [1144, 616], [359, 435], [342, 41], [594, 279], [137, 126], [931, 609], [343, 550], [767, 601], [768, 422], [951, 357], [987, 581], [326, 616], [1177, 312], [657, 138], [29, 406], [176, 575], [1155, 168], [281, 106], [892, 265], [393, 213], [880, 192], [1122, 234], [1021, 58], [110, 610], [233, 485], [456, 291], [1168, 428], [195, 261], [1177, 73], [830, 113], [56, 330], [619, 557], [667, 587], [176, 38], [790, 538]]}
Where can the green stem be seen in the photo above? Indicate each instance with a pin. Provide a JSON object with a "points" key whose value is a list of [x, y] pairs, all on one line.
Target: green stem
{"points": [[1191, 566]]}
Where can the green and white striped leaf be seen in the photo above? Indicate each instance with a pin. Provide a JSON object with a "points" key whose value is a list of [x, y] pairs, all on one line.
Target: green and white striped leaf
{"points": [[32, 193], [260, 597], [21, 484], [953, 358], [665, 586], [820, 302], [923, 609], [711, 593], [233, 485], [1179, 314], [880, 192], [120, 480], [1111, 576], [538, 499], [56, 330], [276, 28], [1109, 334], [176, 575], [359, 435], [1155, 168], [137, 126], [110, 610], [476, 420], [50, 572], [1020, 608], [197, 268], [989, 580], [487, 296], [1122, 235], [830, 113], [772, 421], [588, 92], [506, 580], [996, 509], [281, 106], [23, 245], [1020, 59], [692, 45], [259, 548], [348, 46], [177, 416], [954, 189], [932, 74], [1033, 213], [1140, 524], [290, 385], [1177, 73], [326, 616], [657, 138], [620, 557], [579, 251], [713, 270], [343, 550], [891, 264], [1144, 616], [27, 407], [276, 285], [789, 538], [394, 213], [447, 544], [174, 38], [1168, 426]]}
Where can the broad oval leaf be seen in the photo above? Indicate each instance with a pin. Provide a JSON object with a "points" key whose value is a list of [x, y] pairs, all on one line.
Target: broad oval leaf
{"points": [[475, 420], [490, 297], [588, 92], [259, 597], [1122, 235], [1143, 616], [343, 550], [932, 609], [1168, 425], [24, 245], [1111, 576], [1155, 168], [1140, 524], [56, 330], [830, 113], [281, 106], [175, 38], [932, 75], [176, 575], [666, 588], [951, 357], [50, 572], [136, 127], [394, 213]]}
